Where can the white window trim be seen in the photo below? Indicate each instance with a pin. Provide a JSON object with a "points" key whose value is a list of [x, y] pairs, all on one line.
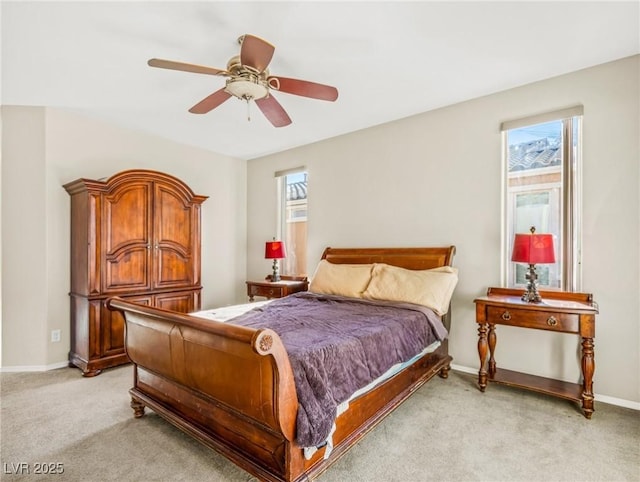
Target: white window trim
{"points": [[281, 221], [571, 252], [567, 113]]}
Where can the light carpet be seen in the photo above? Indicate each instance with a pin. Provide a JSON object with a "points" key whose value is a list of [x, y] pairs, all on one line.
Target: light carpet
{"points": [[446, 431]]}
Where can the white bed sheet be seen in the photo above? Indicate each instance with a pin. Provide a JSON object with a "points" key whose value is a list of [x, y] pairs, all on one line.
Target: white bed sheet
{"points": [[226, 313]]}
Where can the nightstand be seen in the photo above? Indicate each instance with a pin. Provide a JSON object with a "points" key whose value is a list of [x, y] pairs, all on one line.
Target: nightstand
{"points": [[560, 312], [269, 289]]}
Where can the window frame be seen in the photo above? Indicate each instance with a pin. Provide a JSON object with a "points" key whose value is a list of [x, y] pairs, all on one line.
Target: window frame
{"points": [[570, 251], [281, 217]]}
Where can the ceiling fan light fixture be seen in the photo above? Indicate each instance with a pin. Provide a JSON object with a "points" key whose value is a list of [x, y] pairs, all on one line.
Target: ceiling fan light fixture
{"points": [[248, 79], [244, 88]]}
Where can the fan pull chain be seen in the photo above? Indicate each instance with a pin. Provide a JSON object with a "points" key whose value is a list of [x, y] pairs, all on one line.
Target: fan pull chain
{"points": [[248, 109]]}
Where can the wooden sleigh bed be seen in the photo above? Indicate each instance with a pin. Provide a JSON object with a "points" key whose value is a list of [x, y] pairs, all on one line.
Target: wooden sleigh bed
{"points": [[232, 387]]}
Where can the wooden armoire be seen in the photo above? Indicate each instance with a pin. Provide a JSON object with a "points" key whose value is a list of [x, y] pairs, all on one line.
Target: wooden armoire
{"points": [[135, 235]]}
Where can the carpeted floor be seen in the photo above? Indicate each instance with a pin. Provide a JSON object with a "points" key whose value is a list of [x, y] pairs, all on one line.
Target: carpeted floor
{"points": [[446, 431]]}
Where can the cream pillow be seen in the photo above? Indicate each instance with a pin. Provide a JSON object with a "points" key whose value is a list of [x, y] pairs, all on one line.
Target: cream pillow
{"points": [[341, 279], [432, 288]]}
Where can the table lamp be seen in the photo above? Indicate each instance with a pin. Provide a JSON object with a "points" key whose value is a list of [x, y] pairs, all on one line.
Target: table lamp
{"points": [[274, 250], [533, 249]]}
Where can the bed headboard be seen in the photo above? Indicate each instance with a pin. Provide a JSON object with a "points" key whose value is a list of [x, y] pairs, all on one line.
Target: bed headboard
{"points": [[409, 258]]}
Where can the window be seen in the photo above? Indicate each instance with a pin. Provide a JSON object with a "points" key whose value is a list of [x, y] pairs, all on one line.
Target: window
{"points": [[292, 220], [541, 179]]}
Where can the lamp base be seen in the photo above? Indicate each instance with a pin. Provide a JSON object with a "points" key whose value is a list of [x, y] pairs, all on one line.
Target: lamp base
{"points": [[531, 295], [275, 277]]}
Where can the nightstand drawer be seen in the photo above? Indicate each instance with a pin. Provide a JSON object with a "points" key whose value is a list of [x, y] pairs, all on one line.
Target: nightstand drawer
{"points": [[542, 320], [266, 291]]}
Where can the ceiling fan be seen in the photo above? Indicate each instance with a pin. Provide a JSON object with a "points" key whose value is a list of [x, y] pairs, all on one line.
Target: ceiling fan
{"points": [[249, 79]]}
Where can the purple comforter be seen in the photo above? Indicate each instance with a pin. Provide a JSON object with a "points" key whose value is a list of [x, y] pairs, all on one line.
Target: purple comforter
{"points": [[338, 345]]}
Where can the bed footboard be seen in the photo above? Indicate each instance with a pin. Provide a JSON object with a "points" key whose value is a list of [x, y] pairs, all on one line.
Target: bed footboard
{"points": [[229, 386]]}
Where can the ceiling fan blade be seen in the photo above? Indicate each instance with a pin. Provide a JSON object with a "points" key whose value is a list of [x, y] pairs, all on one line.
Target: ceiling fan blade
{"points": [[303, 88], [255, 52], [211, 102], [197, 69], [273, 111]]}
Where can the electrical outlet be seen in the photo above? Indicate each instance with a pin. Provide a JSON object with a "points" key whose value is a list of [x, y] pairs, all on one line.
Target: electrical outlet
{"points": [[55, 336]]}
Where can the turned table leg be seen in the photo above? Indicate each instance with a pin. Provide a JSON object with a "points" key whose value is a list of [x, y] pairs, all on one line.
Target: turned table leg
{"points": [[492, 350], [588, 367], [482, 353]]}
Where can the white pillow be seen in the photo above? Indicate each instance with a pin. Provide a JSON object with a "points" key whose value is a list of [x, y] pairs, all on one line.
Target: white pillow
{"points": [[432, 288], [341, 279]]}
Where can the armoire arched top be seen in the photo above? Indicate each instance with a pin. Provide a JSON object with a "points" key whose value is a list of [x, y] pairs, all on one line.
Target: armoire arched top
{"points": [[131, 175]]}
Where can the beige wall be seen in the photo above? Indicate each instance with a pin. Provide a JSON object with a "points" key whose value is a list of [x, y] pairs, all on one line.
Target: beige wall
{"points": [[44, 148], [435, 179], [24, 240], [431, 179]]}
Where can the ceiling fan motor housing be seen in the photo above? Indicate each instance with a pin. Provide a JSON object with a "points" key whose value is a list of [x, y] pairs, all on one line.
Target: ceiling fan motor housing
{"points": [[246, 88], [246, 83]]}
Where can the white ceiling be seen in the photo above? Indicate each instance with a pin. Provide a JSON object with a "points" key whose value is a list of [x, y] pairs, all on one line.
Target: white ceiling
{"points": [[389, 60]]}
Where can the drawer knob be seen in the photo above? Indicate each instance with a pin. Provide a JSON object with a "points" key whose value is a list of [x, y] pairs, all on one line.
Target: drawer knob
{"points": [[506, 316], [552, 321]]}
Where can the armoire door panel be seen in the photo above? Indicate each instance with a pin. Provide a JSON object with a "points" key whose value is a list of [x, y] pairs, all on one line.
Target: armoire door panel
{"points": [[182, 302], [128, 215], [127, 270], [127, 237], [173, 215], [173, 269], [174, 238], [112, 339]]}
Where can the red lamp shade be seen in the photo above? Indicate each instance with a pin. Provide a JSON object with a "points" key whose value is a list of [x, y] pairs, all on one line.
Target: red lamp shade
{"points": [[274, 250], [533, 249]]}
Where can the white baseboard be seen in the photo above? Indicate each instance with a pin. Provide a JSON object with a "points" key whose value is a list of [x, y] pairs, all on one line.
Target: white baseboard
{"points": [[34, 368], [617, 401], [599, 398], [460, 368]]}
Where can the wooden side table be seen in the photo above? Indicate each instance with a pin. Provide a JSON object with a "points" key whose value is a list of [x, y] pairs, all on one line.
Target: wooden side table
{"points": [[279, 289], [559, 311]]}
